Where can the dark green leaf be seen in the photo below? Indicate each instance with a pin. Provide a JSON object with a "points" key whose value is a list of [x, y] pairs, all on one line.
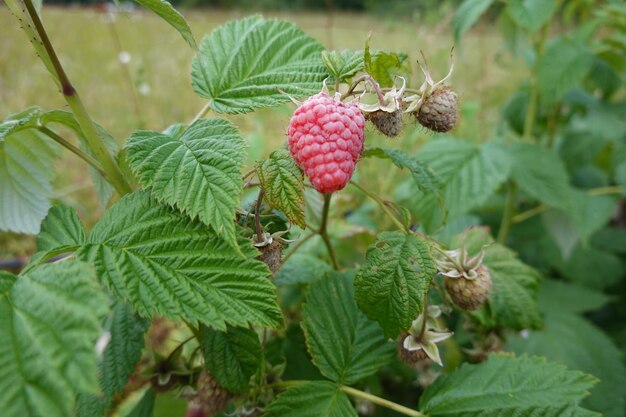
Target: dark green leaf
{"points": [[242, 64], [391, 286], [344, 344], [198, 172], [531, 14], [145, 406], [312, 399], [162, 262], [283, 185], [232, 356], [61, 228], [505, 386]]}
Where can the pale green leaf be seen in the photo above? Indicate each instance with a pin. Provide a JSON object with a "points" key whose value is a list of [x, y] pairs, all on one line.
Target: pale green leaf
{"points": [[164, 9], [592, 268], [515, 284], [563, 64], [49, 323], [301, 268], [242, 64], [467, 14], [391, 286], [540, 174], [383, 66], [26, 119], [312, 399], [282, 183], [424, 177], [578, 344], [232, 356], [61, 228], [531, 14], [470, 174], [344, 344], [506, 386], [199, 172], [123, 350], [161, 262], [26, 164], [344, 64]]}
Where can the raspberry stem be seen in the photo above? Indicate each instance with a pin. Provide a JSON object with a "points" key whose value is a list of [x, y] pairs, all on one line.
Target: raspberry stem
{"points": [[324, 234]]}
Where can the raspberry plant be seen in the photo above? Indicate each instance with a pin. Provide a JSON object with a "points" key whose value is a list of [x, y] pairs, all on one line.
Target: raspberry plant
{"points": [[235, 292]]}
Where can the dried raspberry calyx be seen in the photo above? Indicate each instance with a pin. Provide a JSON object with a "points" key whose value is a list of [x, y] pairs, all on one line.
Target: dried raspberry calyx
{"points": [[386, 115], [326, 139], [421, 340]]}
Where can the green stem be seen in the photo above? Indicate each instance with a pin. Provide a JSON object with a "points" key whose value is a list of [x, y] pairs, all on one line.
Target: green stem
{"points": [[324, 234], [358, 394], [93, 139], [74, 149], [509, 211], [382, 205], [381, 401], [528, 214], [203, 112], [533, 102]]}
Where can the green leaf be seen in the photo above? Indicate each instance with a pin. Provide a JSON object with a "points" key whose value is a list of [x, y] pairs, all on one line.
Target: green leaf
{"points": [[515, 284], [301, 268], [592, 268], [383, 66], [49, 323], [540, 174], [282, 183], [531, 14], [164, 9], [232, 356], [467, 14], [563, 64], [343, 65], [312, 399], [198, 172], [507, 386], [123, 350], [470, 175], [145, 406], [576, 343], [572, 298], [424, 177], [26, 119], [391, 286], [344, 344], [162, 262], [242, 64], [26, 167], [61, 228]]}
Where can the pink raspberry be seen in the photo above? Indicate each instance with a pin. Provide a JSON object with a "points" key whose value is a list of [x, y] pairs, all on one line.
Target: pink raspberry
{"points": [[325, 140]]}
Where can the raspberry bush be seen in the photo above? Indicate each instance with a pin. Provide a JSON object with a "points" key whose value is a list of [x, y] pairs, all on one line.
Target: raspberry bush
{"points": [[296, 288]]}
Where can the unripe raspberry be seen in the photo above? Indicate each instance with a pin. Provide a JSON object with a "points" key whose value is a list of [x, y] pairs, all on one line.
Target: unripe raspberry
{"points": [[470, 294], [325, 140], [272, 255], [438, 111], [389, 124]]}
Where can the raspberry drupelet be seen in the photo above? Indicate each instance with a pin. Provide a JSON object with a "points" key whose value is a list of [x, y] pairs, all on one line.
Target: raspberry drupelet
{"points": [[326, 139]]}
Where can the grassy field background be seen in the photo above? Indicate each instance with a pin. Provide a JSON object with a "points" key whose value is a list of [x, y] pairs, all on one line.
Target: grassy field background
{"points": [[88, 43]]}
